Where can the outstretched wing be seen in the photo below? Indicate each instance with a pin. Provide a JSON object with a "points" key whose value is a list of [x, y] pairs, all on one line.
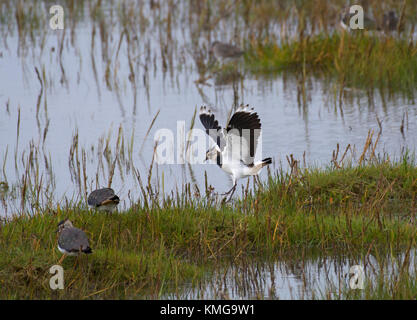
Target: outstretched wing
{"points": [[212, 126], [243, 131]]}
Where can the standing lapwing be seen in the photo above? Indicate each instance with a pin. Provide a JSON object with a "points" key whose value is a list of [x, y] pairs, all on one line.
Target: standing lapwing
{"points": [[235, 146], [72, 241], [103, 199], [390, 21], [225, 51]]}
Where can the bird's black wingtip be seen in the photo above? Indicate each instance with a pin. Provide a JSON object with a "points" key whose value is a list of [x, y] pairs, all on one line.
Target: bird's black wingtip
{"points": [[267, 161]]}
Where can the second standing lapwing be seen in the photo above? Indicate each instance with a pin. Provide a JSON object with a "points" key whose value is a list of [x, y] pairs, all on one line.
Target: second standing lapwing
{"points": [[103, 199], [225, 51], [390, 21], [236, 144], [72, 241]]}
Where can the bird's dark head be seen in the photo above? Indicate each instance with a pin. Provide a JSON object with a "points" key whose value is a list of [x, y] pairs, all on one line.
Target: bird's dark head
{"points": [[392, 14], [64, 224], [212, 153], [345, 14]]}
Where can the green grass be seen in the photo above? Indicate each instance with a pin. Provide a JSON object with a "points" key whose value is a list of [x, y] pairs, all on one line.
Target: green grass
{"points": [[153, 250], [357, 59]]}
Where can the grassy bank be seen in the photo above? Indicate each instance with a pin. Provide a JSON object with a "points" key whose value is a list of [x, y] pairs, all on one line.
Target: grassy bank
{"points": [[355, 60], [154, 249]]}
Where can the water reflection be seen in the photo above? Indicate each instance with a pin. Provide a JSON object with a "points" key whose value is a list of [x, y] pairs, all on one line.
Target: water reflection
{"points": [[310, 276]]}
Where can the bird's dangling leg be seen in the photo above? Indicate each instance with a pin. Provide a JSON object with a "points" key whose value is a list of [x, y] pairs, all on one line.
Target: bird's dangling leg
{"points": [[233, 191], [76, 261]]}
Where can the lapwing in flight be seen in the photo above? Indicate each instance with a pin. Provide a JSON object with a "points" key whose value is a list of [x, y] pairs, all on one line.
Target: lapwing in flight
{"points": [[235, 146]]}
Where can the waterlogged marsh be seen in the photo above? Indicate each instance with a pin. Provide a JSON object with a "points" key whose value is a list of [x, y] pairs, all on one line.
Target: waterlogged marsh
{"points": [[80, 108]]}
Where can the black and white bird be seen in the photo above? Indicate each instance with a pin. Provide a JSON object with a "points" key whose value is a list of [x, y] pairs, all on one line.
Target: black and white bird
{"points": [[103, 199], [72, 241], [225, 51], [235, 146]]}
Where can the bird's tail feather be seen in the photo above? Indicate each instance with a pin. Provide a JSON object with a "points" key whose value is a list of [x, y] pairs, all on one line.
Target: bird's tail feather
{"points": [[88, 250], [261, 164], [112, 200], [266, 161]]}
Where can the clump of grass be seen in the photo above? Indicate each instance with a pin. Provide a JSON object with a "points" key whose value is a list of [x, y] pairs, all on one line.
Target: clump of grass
{"points": [[357, 60]]}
